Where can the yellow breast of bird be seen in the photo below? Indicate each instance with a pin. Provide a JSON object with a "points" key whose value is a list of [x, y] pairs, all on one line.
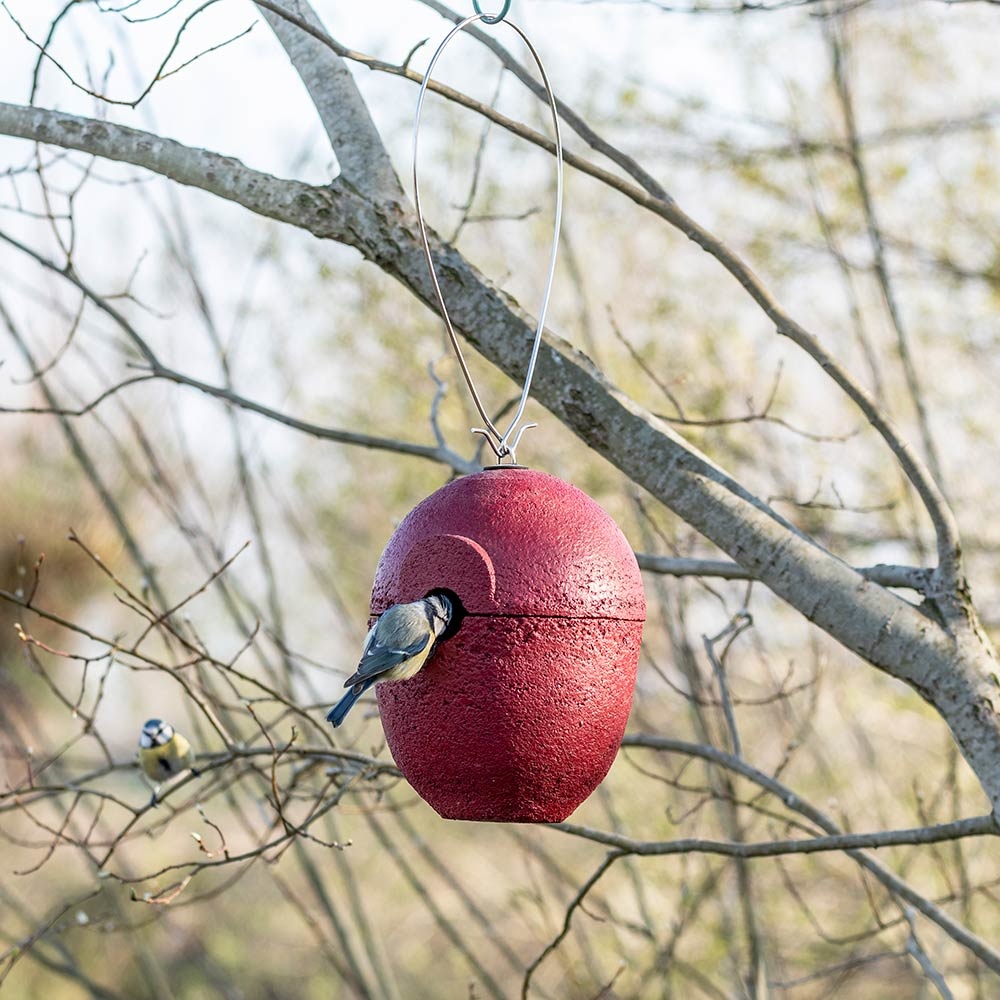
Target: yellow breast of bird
{"points": [[185, 755], [150, 761]]}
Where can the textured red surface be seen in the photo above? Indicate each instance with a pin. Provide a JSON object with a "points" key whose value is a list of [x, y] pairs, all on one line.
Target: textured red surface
{"points": [[513, 542], [518, 715]]}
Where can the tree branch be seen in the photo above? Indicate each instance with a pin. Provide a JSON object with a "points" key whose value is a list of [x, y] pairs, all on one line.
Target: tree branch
{"points": [[791, 800], [157, 370], [885, 575], [362, 156], [834, 32], [976, 826]]}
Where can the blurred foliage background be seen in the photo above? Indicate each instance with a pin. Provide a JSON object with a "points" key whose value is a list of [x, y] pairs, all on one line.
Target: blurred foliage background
{"points": [[741, 113]]}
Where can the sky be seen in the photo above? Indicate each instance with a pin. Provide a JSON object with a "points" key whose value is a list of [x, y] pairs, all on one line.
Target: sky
{"points": [[578, 41]]}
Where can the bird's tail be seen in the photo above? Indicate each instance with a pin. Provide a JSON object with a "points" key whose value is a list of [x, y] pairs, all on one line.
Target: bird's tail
{"points": [[339, 711]]}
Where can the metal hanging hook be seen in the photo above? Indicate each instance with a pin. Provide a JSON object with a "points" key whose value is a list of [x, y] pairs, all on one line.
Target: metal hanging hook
{"points": [[502, 444], [492, 18]]}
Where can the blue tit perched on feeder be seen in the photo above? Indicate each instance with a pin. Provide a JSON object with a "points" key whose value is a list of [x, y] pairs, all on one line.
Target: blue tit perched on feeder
{"points": [[163, 752], [398, 645]]}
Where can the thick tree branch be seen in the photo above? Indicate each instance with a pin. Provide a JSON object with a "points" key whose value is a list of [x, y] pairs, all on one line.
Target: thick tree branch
{"points": [[364, 162]]}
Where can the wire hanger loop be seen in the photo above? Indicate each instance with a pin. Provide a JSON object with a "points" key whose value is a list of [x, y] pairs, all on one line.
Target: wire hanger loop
{"points": [[502, 443]]}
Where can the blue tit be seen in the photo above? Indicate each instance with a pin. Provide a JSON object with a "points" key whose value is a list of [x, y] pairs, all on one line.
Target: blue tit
{"points": [[398, 645], [163, 752]]}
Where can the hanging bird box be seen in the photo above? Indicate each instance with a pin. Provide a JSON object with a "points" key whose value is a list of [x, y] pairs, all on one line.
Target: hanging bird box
{"points": [[519, 713]]}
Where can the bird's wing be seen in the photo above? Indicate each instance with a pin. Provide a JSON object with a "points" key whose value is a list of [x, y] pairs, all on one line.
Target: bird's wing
{"points": [[377, 657]]}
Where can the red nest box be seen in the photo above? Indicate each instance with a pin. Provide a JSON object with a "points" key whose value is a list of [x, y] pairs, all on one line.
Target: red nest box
{"points": [[519, 714]]}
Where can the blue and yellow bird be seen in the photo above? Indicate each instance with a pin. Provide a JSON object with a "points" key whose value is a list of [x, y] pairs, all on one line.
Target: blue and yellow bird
{"points": [[163, 752], [398, 645]]}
